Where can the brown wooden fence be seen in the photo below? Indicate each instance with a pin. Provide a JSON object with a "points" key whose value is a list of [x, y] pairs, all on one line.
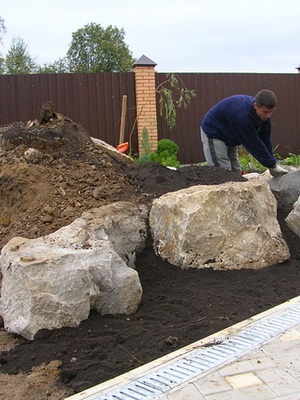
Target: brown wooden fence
{"points": [[92, 100], [95, 101], [212, 87]]}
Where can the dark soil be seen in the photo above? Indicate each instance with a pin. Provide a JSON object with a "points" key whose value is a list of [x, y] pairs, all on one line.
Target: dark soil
{"points": [[178, 306]]}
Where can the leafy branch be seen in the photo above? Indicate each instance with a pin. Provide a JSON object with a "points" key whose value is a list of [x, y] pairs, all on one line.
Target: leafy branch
{"points": [[173, 94], [177, 96]]}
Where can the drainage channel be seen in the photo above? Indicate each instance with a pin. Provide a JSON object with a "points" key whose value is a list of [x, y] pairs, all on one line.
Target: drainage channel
{"points": [[200, 361]]}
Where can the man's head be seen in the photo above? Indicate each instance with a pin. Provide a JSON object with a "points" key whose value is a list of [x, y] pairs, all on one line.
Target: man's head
{"points": [[264, 104]]}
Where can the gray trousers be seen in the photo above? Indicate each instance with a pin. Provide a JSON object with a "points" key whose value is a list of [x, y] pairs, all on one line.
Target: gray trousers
{"points": [[219, 155]]}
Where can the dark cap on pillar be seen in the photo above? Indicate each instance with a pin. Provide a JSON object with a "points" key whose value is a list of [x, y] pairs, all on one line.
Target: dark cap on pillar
{"points": [[144, 62]]}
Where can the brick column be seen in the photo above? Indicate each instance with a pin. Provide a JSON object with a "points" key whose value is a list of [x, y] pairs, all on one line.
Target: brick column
{"points": [[146, 100]]}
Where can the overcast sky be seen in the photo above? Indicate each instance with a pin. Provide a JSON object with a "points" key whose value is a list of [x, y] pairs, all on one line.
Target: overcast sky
{"points": [[179, 36]]}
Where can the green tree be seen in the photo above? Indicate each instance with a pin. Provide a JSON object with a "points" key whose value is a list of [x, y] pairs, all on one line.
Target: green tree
{"points": [[95, 49], [18, 60], [2, 31], [2, 28], [60, 66], [1, 65]]}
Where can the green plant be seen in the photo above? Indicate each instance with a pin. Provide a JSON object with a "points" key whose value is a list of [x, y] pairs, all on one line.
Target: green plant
{"points": [[166, 153], [248, 162], [276, 154], [292, 159], [176, 96], [167, 145], [169, 99], [144, 156]]}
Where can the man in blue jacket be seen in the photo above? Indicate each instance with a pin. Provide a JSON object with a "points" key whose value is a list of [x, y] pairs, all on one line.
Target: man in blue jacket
{"points": [[240, 120]]}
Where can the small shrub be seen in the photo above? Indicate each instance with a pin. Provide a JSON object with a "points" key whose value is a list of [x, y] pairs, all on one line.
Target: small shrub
{"points": [[166, 153], [144, 157], [167, 145]]}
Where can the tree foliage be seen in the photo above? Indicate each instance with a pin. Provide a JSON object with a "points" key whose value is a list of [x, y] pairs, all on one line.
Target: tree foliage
{"points": [[95, 49], [92, 49], [18, 60], [2, 31], [60, 66], [2, 28]]}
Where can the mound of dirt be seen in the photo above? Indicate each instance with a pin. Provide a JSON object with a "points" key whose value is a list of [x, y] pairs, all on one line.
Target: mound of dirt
{"points": [[51, 173]]}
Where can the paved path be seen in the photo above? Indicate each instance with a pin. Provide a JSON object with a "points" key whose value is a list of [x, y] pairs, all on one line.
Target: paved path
{"points": [[256, 359]]}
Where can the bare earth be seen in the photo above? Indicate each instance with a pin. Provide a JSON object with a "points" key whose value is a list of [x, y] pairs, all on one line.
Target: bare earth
{"points": [[41, 192]]}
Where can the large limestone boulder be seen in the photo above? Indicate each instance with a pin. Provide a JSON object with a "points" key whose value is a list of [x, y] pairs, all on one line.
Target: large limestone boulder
{"points": [[293, 219], [286, 188], [228, 226], [54, 281]]}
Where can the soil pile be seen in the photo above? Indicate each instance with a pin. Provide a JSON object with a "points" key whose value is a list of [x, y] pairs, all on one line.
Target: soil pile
{"points": [[51, 173]]}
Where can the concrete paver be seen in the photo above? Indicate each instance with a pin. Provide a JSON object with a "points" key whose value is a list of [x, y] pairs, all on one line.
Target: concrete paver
{"points": [[212, 383]]}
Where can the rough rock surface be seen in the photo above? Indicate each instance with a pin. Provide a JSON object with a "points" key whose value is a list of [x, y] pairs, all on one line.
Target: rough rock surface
{"points": [[38, 198], [286, 189], [228, 226], [293, 218], [54, 281]]}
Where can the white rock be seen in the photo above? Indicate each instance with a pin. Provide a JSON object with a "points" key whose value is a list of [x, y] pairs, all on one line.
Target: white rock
{"points": [[227, 226], [54, 281], [293, 219], [101, 143], [252, 175]]}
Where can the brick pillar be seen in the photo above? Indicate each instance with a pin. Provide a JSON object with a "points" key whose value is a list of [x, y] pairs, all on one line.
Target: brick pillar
{"points": [[146, 100]]}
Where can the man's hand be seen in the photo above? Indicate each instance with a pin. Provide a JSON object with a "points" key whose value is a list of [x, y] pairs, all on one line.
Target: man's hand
{"points": [[278, 171]]}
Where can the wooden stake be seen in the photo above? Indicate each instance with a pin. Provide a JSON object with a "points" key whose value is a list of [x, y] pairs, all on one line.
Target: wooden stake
{"points": [[123, 119]]}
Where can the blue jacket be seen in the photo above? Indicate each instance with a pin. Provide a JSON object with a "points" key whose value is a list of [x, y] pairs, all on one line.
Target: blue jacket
{"points": [[234, 121]]}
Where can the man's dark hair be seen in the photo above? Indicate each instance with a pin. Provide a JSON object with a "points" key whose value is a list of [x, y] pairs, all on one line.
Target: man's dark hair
{"points": [[266, 98]]}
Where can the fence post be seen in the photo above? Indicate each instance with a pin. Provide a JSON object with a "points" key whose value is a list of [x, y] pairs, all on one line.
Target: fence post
{"points": [[146, 100]]}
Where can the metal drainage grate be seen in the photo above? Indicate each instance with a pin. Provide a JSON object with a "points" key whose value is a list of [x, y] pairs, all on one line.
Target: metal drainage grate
{"points": [[202, 360]]}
